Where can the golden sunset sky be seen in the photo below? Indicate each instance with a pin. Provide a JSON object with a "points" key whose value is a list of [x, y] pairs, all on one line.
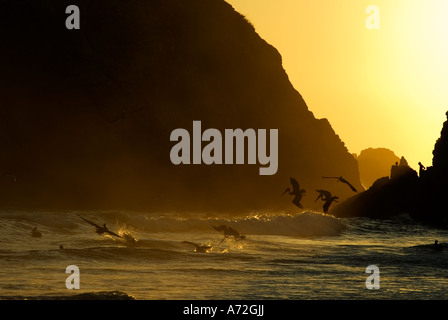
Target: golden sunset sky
{"points": [[385, 87]]}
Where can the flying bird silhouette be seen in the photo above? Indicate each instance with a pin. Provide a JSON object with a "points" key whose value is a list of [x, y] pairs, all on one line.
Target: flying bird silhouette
{"points": [[229, 232], [296, 192], [101, 229], [327, 197], [198, 247], [343, 181]]}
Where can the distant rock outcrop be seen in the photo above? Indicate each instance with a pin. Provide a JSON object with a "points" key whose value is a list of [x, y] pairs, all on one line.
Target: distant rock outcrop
{"points": [[440, 152], [406, 192], [86, 115], [375, 163], [388, 196]]}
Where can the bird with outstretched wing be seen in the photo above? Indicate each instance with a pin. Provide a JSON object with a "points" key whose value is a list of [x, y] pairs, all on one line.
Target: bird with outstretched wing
{"points": [[229, 232], [101, 229], [327, 197], [296, 191], [322, 194], [341, 179]]}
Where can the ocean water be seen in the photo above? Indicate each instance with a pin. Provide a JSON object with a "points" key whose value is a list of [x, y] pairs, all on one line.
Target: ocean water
{"points": [[284, 257]]}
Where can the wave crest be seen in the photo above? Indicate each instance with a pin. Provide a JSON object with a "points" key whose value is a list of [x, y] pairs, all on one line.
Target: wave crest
{"points": [[306, 224]]}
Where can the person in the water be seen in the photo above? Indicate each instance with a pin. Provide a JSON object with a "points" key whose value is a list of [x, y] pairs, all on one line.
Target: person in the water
{"points": [[437, 245], [35, 233]]}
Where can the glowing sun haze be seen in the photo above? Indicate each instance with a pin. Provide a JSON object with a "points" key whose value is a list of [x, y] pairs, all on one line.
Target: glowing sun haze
{"points": [[378, 88]]}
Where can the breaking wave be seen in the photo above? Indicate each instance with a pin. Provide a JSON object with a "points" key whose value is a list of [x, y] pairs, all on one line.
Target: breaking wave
{"points": [[305, 224]]}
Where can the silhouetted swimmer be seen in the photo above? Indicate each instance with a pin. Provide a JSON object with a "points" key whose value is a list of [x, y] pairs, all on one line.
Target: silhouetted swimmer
{"points": [[327, 197], [340, 179], [229, 232], [61, 247], [296, 191], [437, 245], [35, 233], [198, 247]]}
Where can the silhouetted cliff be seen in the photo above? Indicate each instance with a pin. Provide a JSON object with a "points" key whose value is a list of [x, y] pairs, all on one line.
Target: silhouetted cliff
{"points": [[406, 192], [440, 152], [86, 115]]}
